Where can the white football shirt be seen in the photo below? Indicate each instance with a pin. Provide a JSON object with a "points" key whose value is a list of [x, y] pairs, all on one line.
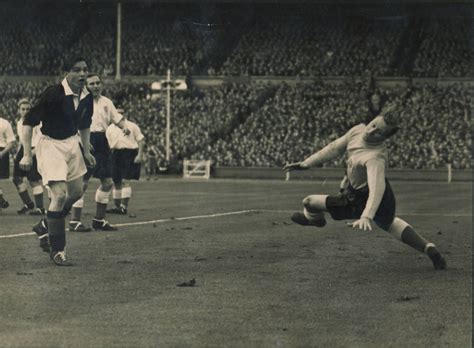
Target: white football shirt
{"points": [[6, 133], [104, 115]]}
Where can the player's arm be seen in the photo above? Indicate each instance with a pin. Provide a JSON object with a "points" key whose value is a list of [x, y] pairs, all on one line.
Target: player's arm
{"points": [[140, 156], [85, 134], [118, 119], [376, 183], [26, 136], [7, 149], [329, 152], [141, 144], [10, 140]]}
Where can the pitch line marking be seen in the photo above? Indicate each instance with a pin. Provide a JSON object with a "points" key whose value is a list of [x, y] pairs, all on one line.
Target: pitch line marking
{"points": [[151, 221], [185, 218], [226, 214]]}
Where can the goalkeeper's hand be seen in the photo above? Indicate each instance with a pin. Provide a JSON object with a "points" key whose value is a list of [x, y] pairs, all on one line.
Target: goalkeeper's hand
{"points": [[295, 166]]}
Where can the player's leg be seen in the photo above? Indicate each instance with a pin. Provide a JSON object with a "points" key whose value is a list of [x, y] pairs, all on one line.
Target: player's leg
{"points": [[4, 174], [63, 196], [56, 222], [117, 194], [385, 218], [126, 195], [314, 207], [405, 233], [102, 171], [3, 202], [75, 224], [132, 172], [102, 199], [38, 195], [35, 180], [117, 167], [22, 189]]}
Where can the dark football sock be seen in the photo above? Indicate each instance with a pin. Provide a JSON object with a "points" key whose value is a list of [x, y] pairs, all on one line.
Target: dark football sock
{"points": [[125, 202], [76, 214], [39, 200], [100, 211], [25, 198], [413, 239], [56, 230]]}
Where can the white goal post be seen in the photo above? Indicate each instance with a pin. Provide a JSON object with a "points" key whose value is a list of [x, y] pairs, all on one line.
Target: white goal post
{"points": [[196, 169]]}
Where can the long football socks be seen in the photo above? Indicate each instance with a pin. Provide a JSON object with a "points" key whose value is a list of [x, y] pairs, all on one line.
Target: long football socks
{"points": [[56, 230]]}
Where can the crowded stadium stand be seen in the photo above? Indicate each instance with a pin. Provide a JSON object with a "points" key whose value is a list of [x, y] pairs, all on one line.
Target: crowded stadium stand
{"points": [[242, 121]]}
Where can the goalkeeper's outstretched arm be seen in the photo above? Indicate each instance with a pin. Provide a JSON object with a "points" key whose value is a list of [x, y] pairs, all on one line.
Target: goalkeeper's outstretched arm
{"points": [[329, 152]]}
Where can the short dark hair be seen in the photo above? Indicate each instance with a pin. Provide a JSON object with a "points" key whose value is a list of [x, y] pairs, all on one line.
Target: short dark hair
{"points": [[69, 62]]}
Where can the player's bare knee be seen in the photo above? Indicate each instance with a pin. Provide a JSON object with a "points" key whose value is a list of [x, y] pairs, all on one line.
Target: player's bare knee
{"points": [[35, 183], [58, 198], [106, 184], [315, 203], [397, 227], [75, 196]]}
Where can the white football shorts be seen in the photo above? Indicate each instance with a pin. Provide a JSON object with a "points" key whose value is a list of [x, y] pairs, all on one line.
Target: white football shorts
{"points": [[60, 160]]}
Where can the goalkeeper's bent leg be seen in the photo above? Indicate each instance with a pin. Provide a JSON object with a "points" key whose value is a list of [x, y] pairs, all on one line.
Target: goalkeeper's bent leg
{"points": [[314, 207], [405, 233]]}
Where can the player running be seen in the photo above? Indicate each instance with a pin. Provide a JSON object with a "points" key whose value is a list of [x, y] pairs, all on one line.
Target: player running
{"points": [[33, 177], [368, 197]]}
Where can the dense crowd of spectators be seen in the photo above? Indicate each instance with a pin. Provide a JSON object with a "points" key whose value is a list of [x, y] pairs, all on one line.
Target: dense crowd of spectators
{"points": [[299, 120], [444, 48], [322, 47], [253, 124], [269, 125], [291, 41]]}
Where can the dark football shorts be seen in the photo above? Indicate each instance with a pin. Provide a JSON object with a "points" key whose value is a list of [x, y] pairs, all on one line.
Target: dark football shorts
{"points": [[123, 166], [4, 165], [351, 203], [32, 174], [103, 156]]}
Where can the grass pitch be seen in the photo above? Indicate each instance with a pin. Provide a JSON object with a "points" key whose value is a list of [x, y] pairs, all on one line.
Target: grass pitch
{"points": [[261, 281]]}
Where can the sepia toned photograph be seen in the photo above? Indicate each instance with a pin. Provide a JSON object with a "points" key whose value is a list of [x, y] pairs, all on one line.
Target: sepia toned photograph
{"points": [[236, 173]]}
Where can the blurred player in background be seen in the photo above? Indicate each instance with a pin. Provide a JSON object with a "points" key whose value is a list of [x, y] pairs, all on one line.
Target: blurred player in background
{"points": [[33, 177], [368, 197], [7, 142], [104, 115], [64, 110], [127, 156]]}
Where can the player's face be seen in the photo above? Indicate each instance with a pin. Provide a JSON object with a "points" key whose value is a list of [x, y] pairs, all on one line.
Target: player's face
{"points": [[23, 109], [375, 131], [76, 77], [94, 85]]}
